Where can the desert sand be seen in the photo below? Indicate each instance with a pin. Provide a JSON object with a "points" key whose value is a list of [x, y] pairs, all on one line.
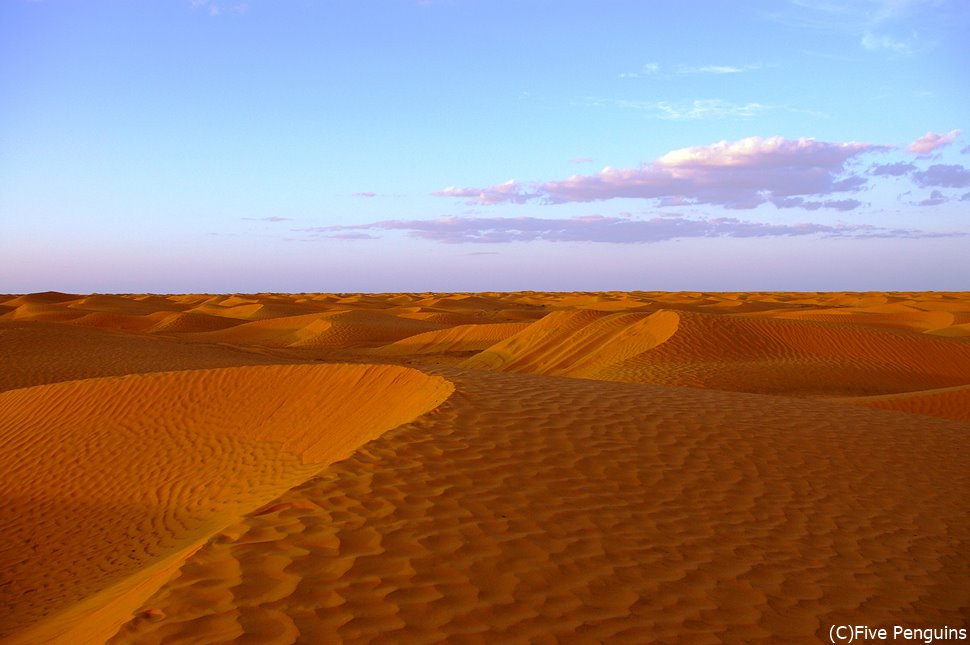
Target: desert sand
{"points": [[487, 468]]}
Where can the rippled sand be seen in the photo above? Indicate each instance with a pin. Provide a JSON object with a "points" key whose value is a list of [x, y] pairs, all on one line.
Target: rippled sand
{"points": [[598, 467]]}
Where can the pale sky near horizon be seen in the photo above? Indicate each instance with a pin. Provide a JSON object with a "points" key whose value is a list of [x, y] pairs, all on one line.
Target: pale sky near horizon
{"points": [[403, 145]]}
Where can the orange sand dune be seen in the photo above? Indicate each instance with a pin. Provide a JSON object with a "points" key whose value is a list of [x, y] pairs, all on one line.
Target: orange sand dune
{"points": [[188, 322], [948, 403], [105, 477], [38, 353], [578, 343], [332, 329], [461, 338], [46, 298], [255, 311], [731, 353], [953, 331], [41, 312], [531, 508], [211, 468], [892, 316]]}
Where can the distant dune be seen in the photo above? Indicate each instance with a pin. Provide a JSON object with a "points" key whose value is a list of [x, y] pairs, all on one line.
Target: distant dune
{"points": [[496, 467]]}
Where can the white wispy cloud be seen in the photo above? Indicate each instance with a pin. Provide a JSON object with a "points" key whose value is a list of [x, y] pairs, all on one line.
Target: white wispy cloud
{"points": [[648, 69], [880, 26], [717, 69], [874, 42], [708, 109]]}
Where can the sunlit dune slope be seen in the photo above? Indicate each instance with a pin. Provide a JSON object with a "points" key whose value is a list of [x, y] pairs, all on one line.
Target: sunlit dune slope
{"points": [[460, 338], [340, 329], [578, 343], [105, 477], [961, 330], [741, 353], [535, 509]]}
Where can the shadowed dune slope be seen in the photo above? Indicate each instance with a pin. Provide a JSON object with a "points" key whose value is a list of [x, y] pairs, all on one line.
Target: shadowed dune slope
{"points": [[948, 403], [37, 353], [535, 509], [105, 477]]}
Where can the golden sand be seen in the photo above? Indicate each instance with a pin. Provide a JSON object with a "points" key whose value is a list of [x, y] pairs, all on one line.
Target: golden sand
{"points": [[586, 467]]}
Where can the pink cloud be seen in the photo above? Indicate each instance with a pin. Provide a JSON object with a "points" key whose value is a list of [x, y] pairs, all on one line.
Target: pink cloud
{"points": [[931, 141], [508, 192], [352, 236], [598, 228], [364, 194], [578, 160], [738, 174]]}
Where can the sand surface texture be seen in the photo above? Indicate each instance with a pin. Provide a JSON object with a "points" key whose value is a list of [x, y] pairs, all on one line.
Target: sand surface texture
{"points": [[527, 467]]}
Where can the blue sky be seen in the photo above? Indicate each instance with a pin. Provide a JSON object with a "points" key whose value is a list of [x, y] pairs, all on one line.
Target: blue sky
{"points": [[319, 145]]}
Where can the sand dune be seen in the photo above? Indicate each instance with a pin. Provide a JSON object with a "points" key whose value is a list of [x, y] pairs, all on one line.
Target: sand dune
{"points": [[38, 353], [104, 477], [736, 353], [330, 329], [948, 403], [460, 338], [576, 467], [536, 508], [578, 343]]}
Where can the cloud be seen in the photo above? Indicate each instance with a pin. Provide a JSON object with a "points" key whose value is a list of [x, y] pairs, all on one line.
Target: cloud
{"points": [[965, 150], [708, 109], [692, 110], [943, 175], [893, 169], [508, 192], [931, 141], [874, 42], [266, 219], [875, 23], [739, 174], [716, 69], [350, 236], [578, 160], [364, 194], [648, 69], [965, 197], [613, 230], [936, 198], [836, 204], [218, 8]]}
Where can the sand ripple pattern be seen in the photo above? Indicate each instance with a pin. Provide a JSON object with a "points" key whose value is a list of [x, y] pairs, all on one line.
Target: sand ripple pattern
{"points": [[103, 478], [539, 509]]}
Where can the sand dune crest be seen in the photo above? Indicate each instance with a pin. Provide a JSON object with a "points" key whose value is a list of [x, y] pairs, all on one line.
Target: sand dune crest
{"points": [[105, 477]]}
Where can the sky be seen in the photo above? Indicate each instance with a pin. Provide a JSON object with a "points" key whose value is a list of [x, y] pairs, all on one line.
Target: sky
{"points": [[484, 145]]}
